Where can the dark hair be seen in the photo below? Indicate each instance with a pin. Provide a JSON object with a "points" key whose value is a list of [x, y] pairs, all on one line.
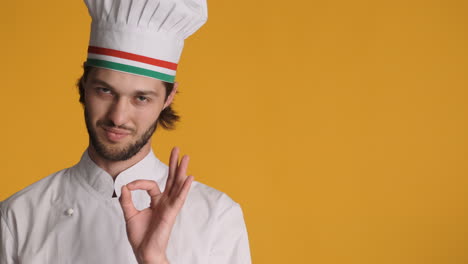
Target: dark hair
{"points": [[167, 118]]}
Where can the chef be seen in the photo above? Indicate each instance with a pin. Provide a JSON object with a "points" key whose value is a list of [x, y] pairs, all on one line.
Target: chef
{"points": [[120, 203]]}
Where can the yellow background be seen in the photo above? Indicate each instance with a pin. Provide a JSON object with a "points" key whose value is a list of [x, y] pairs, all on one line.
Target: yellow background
{"points": [[339, 126]]}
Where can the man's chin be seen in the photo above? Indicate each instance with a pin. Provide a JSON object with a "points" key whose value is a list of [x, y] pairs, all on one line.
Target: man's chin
{"points": [[114, 154], [108, 143], [112, 150]]}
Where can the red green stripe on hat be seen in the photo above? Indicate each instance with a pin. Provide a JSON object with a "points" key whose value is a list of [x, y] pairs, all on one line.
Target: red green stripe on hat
{"points": [[130, 69], [131, 63], [133, 57]]}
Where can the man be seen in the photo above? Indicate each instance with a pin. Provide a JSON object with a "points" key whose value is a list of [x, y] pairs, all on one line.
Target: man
{"points": [[120, 204]]}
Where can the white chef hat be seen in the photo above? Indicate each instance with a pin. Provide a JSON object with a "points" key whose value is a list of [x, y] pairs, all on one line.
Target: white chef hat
{"points": [[143, 37]]}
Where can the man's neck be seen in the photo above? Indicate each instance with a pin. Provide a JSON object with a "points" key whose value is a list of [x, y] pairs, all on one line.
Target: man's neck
{"points": [[116, 167]]}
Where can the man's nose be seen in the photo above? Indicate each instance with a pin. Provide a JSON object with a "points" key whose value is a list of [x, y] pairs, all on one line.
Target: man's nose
{"points": [[118, 112]]}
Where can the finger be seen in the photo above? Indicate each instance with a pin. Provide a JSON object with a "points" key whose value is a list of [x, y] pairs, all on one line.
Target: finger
{"points": [[173, 160], [150, 186], [126, 203], [181, 175], [183, 192]]}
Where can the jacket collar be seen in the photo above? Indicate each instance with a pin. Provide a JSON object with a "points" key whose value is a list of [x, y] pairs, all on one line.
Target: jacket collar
{"points": [[149, 168]]}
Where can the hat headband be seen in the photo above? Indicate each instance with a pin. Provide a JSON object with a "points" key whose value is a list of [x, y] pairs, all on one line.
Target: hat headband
{"points": [[131, 63]]}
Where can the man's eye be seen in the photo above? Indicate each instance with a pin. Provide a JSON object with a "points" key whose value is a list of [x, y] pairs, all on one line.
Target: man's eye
{"points": [[104, 90], [142, 98]]}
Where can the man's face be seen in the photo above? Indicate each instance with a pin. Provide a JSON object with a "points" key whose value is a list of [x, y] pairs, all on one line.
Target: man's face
{"points": [[121, 111]]}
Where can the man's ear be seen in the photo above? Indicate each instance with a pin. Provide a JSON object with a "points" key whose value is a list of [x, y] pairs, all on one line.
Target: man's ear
{"points": [[171, 96]]}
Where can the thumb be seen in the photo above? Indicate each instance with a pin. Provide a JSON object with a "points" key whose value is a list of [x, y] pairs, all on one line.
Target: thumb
{"points": [[126, 203]]}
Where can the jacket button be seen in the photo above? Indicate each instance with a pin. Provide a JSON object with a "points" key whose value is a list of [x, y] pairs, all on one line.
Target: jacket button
{"points": [[69, 212]]}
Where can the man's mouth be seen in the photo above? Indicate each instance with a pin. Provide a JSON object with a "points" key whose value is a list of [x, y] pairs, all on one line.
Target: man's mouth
{"points": [[115, 134]]}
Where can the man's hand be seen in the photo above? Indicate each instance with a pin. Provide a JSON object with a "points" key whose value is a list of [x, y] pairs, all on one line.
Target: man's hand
{"points": [[149, 230]]}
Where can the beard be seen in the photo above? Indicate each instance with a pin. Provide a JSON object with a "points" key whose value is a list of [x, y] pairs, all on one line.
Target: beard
{"points": [[113, 153]]}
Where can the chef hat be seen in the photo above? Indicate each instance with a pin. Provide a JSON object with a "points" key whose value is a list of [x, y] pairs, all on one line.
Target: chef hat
{"points": [[143, 37]]}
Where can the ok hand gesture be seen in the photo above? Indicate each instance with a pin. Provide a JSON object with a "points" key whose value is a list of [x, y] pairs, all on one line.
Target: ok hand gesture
{"points": [[149, 230]]}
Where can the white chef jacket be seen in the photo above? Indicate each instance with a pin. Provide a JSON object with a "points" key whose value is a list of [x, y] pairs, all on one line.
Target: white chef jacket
{"points": [[71, 217]]}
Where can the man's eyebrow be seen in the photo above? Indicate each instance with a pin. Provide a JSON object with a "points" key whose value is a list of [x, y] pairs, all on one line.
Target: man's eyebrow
{"points": [[146, 92], [101, 82], [138, 92]]}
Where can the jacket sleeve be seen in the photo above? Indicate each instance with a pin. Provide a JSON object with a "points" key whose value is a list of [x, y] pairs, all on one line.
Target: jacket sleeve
{"points": [[231, 243], [7, 242]]}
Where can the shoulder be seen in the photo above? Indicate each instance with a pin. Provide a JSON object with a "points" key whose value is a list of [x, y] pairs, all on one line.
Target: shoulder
{"points": [[210, 194], [44, 190], [205, 199]]}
